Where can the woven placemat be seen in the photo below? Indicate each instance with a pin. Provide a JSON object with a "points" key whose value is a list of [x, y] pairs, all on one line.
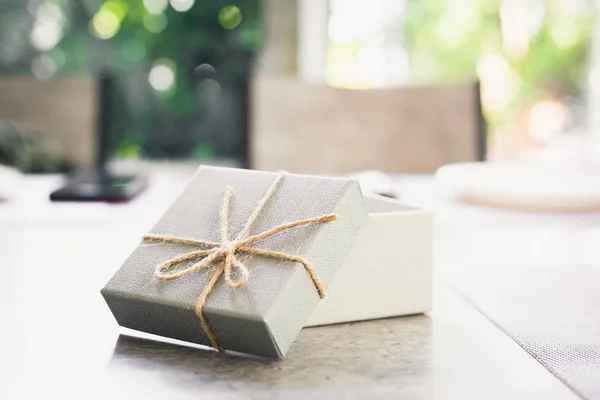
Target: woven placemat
{"points": [[552, 312]]}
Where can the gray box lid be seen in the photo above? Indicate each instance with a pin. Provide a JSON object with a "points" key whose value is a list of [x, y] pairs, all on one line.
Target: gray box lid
{"points": [[265, 316]]}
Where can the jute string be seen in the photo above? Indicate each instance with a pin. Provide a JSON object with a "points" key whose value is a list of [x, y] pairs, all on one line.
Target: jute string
{"points": [[223, 254]]}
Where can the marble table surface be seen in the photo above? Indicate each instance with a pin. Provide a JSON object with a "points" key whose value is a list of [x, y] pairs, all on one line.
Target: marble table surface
{"points": [[59, 340]]}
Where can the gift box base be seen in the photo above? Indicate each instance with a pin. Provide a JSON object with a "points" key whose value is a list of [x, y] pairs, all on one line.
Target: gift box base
{"points": [[388, 271]]}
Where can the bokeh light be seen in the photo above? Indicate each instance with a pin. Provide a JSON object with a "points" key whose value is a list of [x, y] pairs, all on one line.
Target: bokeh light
{"points": [[47, 28], [363, 52], [43, 66], [546, 119], [49, 11], [156, 6], [182, 5], [155, 23], [495, 75], [107, 21], [162, 75], [45, 36], [117, 7], [230, 17], [565, 34], [105, 24], [520, 22], [205, 71]]}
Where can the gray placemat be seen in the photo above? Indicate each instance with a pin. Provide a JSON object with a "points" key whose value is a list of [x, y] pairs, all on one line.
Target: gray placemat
{"points": [[553, 313]]}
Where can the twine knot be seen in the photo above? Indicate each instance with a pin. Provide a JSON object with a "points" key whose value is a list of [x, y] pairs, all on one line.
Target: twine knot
{"points": [[224, 254], [229, 248]]}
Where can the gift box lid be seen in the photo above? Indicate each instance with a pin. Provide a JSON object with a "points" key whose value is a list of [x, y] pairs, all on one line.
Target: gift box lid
{"points": [[265, 315]]}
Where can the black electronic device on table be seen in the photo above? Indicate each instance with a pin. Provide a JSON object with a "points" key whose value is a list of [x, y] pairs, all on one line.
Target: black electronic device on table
{"points": [[97, 183]]}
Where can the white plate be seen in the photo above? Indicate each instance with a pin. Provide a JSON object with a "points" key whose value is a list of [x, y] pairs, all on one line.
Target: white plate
{"points": [[524, 186]]}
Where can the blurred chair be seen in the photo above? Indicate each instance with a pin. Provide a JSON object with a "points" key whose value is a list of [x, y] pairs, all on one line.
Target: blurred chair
{"points": [[65, 109], [319, 129]]}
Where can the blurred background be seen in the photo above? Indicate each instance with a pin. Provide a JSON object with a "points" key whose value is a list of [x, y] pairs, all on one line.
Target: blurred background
{"points": [[406, 86], [168, 100]]}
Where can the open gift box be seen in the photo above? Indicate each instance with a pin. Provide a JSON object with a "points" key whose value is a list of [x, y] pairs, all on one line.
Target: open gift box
{"points": [[388, 272], [242, 260]]}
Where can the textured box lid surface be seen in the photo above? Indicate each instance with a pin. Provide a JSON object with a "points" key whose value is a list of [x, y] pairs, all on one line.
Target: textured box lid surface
{"points": [[265, 316]]}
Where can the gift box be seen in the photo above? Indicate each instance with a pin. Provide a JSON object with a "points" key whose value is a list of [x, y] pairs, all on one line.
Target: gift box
{"points": [[388, 272], [240, 260]]}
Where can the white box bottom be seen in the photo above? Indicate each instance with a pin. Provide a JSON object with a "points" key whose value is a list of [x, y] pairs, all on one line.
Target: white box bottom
{"points": [[388, 271]]}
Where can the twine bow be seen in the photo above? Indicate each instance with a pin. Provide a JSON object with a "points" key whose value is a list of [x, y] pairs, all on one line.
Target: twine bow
{"points": [[224, 253]]}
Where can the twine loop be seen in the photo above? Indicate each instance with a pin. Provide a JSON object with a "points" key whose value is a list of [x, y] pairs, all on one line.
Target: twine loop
{"points": [[224, 254]]}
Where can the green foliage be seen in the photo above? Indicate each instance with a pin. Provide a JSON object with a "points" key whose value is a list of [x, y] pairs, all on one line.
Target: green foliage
{"points": [[443, 44], [446, 40], [123, 37], [30, 151]]}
